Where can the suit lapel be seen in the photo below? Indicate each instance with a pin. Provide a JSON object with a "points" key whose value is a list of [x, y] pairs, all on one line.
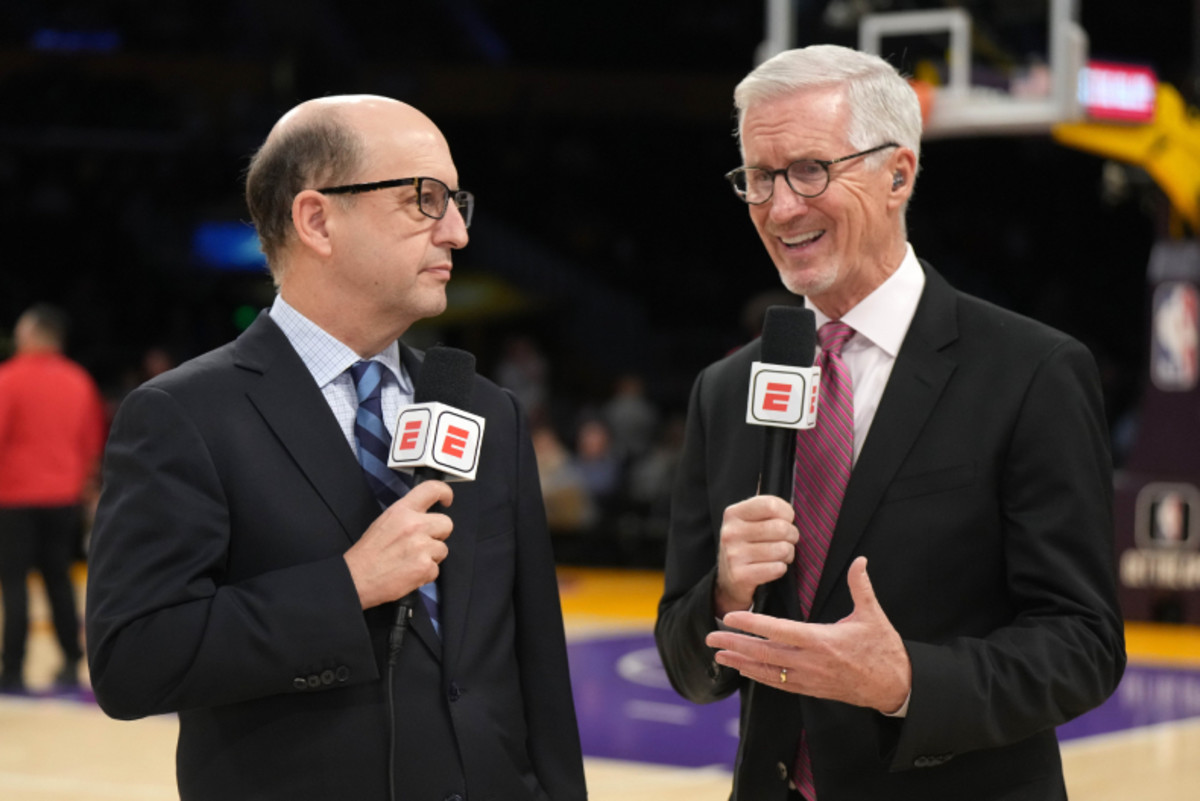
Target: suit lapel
{"points": [[298, 414], [292, 406], [917, 381]]}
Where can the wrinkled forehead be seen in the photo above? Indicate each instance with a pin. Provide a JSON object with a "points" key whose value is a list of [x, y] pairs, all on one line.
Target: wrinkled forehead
{"points": [[807, 123]]}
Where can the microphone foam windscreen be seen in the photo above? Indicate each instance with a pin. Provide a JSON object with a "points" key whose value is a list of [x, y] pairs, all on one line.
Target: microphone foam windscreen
{"points": [[447, 376], [789, 336]]}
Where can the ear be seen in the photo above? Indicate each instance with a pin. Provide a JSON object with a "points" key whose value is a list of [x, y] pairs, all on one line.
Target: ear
{"points": [[903, 170], [310, 218]]}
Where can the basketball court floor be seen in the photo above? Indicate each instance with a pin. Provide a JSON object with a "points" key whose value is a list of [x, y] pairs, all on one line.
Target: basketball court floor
{"points": [[640, 740]]}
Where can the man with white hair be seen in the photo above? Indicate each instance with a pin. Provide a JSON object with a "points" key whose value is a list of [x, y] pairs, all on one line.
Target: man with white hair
{"points": [[941, 580]]}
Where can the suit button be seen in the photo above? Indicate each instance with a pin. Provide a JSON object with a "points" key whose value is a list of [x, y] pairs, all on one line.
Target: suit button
{"points": [[454, 693], [299, 683], [783, 771], [327, 677], [342, 673], [314, 681]]}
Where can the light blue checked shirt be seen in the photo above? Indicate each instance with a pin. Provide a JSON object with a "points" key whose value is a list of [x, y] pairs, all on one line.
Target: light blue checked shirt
{"points": [[329, 362]]}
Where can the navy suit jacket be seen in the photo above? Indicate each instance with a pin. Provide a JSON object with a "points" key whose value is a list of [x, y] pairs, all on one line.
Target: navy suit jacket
{"points": [[983, 500], [217, 589]]}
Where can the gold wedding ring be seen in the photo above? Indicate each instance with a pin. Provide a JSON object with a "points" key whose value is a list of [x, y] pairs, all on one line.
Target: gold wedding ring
{"points": [[783, 675]]}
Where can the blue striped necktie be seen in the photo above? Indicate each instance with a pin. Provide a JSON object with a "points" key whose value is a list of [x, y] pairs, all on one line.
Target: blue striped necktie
{"points": [[374, 442]]}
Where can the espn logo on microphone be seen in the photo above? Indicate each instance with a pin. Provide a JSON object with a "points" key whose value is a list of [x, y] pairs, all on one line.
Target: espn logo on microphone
{"points": [[783, 395], [438, 436]]}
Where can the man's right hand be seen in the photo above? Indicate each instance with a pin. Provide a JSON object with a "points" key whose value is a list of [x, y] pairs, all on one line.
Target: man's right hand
{"points": [[403, 548], [758, 542]]}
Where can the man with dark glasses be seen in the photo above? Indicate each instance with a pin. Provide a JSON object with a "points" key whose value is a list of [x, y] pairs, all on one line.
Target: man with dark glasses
{"points": [[247, 557]]}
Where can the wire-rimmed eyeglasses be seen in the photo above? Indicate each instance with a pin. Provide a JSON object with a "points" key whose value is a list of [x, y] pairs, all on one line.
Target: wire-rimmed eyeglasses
{"points": [[433, 196], [805, 177]]}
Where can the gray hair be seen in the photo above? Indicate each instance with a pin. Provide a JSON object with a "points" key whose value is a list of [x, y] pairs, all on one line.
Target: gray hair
{"points": [[307, 155], [883, 106]]}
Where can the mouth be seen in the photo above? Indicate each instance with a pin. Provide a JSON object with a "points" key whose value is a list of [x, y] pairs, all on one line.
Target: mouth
{"points": [[440, 270], [799, 241]]}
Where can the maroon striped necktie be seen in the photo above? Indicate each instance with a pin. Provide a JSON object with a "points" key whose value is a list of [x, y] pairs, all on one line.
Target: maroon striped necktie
{"points": [[823, 458]]}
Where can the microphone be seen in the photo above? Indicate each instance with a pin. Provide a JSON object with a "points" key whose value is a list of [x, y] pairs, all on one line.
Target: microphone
{"points": [[436, 439], [783, 397]]}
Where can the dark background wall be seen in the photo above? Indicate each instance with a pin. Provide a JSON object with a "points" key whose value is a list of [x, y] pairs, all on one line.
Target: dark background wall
{"points": [[594, 135]]}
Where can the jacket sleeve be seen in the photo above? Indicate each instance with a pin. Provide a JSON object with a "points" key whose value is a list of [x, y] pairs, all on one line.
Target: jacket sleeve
{"points": [[685, 613], [166, 629]]}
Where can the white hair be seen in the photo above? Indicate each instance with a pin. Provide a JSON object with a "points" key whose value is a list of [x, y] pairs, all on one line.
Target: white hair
{"points": [[883, 105]]}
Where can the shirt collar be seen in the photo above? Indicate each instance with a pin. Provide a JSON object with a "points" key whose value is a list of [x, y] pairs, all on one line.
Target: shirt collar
{"points": [[883, 317], [324, 355]]}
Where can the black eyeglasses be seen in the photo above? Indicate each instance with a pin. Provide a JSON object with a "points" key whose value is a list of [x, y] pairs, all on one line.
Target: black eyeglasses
{"points": [[806, 177], [433, 196]]}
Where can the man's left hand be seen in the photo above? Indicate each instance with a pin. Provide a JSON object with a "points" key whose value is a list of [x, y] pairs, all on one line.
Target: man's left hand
{"points": [[859, 660]]}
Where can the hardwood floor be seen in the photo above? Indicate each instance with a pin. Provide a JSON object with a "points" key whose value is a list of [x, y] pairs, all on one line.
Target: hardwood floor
{"points": [[62, 749]]}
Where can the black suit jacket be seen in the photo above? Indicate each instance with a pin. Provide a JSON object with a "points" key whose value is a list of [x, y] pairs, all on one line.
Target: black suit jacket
{"points": [[982, 499], [217, 589]]}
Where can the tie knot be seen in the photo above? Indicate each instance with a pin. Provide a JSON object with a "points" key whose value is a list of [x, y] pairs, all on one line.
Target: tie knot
{"points": [[367, 379], [833, 335]]}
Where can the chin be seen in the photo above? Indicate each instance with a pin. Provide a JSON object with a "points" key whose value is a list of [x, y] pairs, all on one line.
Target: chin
{"points": [[806, 282]]}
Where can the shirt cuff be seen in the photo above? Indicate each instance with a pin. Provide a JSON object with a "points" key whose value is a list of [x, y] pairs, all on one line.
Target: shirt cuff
{"points": [[902, 712]]}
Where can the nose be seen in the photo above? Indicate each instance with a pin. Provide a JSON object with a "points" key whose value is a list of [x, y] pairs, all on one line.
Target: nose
{"points": [[451, 230], [784, 203]]}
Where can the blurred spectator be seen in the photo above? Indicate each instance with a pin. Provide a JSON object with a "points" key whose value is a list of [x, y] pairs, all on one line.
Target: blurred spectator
{"points": [[598, 462], [631, 418], [651, 476], [156, 361], [569, 508], [644, 521], [522, 369], [51, 434]]}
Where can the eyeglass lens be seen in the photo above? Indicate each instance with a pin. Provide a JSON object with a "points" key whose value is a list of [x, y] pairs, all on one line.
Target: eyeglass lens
{"points": [[434, 198], [806, 177]]}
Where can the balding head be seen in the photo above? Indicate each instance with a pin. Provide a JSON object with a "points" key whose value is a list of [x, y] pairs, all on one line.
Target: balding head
{"points": [[41, 328], [318, 143]]}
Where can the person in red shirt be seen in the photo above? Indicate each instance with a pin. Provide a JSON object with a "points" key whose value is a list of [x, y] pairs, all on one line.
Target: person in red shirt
{"points": [[51, 435]]}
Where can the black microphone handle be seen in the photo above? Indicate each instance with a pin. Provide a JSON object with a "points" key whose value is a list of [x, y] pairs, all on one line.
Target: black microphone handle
{"points": [[779, 455], [404, 610]]}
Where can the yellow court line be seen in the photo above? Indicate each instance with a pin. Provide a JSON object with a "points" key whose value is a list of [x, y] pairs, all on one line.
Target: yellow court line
{"points": [[618, 593], [1163, 642], [632, 596]]}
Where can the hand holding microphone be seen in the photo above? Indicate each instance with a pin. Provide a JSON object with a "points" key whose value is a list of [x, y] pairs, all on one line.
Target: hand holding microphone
{"points": [[758, 535], [435, 440], [403, 548]]}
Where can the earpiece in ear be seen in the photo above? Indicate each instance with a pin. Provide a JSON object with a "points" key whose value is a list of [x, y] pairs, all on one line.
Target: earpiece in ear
{"points": [[898, 180]]}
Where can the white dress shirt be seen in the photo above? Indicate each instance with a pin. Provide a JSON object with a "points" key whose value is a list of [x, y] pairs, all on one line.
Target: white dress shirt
{"points": [[329, 360], [880, 322]]}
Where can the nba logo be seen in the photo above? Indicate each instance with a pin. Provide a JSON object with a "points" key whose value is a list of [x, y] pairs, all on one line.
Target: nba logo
{"points": [[1174, 336], [1165, 516]]}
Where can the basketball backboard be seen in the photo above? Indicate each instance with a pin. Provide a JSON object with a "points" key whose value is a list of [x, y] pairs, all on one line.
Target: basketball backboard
{"points": [[973, 85]]}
